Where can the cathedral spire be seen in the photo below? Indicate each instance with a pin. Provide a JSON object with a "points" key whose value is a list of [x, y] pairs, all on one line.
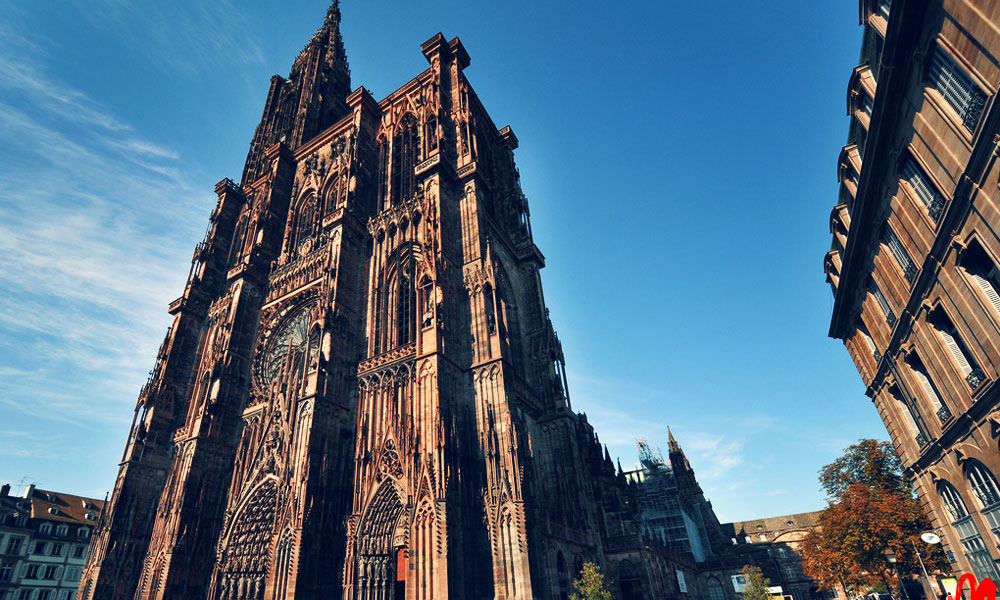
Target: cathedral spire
{"points": [[673, 446], [312, 98], [333, 14]]}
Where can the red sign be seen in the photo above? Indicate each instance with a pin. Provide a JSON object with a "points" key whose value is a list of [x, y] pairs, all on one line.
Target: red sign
{"points": [[978, 590]]}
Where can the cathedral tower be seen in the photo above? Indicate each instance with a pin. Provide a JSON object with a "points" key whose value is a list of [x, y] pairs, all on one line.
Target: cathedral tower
{"points": [[362, 395]]}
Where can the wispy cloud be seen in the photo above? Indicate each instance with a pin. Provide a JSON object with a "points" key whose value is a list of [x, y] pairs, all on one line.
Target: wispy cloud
{"points": [[183, 37], [92, 216]]}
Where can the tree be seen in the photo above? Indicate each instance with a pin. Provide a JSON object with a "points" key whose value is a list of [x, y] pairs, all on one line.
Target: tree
{"points": [[870, 508], [870, 463], [755, 585], [590, 585]]}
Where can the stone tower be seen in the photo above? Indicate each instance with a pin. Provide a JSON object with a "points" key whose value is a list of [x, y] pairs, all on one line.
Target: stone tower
{"points": [[362, 395]]}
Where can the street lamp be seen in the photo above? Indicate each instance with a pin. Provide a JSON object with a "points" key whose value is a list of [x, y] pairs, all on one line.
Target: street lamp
{"points": [[891, 557], [930, 538]]}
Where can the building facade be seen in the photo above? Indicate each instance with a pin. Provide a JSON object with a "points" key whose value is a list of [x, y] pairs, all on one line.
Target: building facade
{"points": [[774, 544], [915, 255], [44, 541], [361, 395]]}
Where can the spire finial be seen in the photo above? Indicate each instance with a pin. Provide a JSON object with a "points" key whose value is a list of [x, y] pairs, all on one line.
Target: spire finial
{"points": [[333, 14], [672, 443]]}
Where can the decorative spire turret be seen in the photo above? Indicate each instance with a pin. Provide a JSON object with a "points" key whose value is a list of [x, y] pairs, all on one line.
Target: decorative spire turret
{"points": [[312, 98]]}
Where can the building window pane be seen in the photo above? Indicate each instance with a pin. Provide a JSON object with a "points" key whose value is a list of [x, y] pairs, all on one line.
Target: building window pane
{"points": [[895, 245], [883, 304], [921, 185], [957, 88]]}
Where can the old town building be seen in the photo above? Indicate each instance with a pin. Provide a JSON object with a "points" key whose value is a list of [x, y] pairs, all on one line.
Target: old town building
{"points": [[362, 395], [774, 545], [915, 259], [44, 540]]}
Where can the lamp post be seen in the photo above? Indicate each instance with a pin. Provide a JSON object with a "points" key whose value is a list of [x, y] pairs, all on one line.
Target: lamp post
{"points": [[891, 557], [930, 538]]}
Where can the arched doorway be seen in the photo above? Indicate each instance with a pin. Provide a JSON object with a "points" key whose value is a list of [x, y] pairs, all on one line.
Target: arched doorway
{"points": [[381, 568]]}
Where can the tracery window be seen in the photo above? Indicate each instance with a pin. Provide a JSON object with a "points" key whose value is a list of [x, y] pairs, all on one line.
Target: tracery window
{"points": [[968, 534], [305, 221], [404, 160], [987, 494], [956, 87], [406, 317]]}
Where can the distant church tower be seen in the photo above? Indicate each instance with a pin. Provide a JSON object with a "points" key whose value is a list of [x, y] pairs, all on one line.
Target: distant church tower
{"points": [[361, 395]]}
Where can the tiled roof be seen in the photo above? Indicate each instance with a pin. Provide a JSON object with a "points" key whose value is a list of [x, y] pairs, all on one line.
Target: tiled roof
{"points": [[70, 508], [770, 524]]}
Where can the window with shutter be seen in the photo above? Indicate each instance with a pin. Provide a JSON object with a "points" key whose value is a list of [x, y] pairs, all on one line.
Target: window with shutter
{"points": [[989, 289], [922, 187], [956, 87], [883, 304], [895, 245], [928, 388], [966, 363], [882, 8]]}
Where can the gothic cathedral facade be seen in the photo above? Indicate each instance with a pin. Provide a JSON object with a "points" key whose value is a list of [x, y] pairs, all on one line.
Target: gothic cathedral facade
{"points": [[361, 394]]}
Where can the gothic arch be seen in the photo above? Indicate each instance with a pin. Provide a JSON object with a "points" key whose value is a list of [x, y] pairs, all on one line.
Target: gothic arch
{"points": [[381, 534], [246, 549], [304, 221]]}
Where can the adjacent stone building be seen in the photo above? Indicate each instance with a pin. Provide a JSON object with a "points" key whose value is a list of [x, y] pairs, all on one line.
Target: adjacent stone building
{"points": [[774, 545], [362, 395], [44, 541], [915, 259]]}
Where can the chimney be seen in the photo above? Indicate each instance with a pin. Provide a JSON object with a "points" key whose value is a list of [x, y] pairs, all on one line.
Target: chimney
{"points": [[5, 490], [28, 491]]}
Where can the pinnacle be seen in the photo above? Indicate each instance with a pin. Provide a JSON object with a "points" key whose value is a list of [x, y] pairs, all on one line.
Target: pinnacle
{"points": [[332, 14]]}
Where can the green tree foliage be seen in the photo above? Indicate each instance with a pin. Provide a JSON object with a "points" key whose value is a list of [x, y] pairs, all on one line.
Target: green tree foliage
{"points": [[590, 585], [756, 584], [871, 508], [870, 463]]}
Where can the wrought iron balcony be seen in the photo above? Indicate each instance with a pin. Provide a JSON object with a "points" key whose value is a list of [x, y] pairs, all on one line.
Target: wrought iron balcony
{"points": [[910, 272], [921, 440], [975, 378], [943, 413]]}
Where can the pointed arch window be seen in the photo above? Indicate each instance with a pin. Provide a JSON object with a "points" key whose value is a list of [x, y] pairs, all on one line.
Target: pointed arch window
{"points": [[562, 575], [964, 359], [406, 317], [404, 160], [382, 149], [305, 222], [969, 536]]}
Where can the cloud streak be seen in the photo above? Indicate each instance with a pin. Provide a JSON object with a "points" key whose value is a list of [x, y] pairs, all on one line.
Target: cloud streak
{"points": [[92, 221]]}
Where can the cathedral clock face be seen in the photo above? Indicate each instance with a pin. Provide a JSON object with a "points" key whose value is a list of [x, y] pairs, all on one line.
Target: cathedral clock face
{"points": [[292, 337]]}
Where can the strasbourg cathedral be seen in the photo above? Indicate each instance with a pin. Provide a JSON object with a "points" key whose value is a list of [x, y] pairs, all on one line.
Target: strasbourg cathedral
{"points": [[361, 395]]}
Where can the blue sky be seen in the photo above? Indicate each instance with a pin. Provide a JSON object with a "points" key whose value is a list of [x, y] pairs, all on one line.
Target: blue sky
{"points": [[679, 159]]}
